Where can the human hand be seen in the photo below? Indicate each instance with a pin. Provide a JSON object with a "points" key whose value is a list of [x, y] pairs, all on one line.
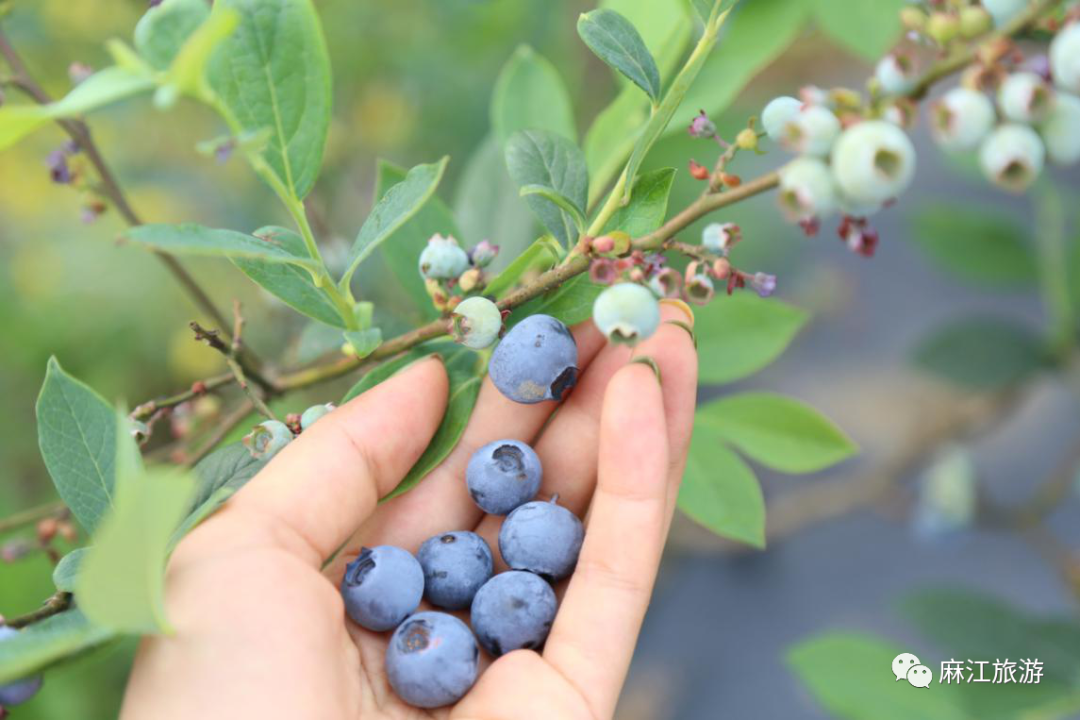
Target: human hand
{"points": [[260, 626]]}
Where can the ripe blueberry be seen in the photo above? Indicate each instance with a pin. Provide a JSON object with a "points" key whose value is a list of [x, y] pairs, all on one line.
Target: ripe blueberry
{"points": [[777, 114], [536, 361], [873, 162], [513, 610], [1012, 156], [626, 313], [1065, 58], [267, 439], [443, 259], [543, 538], [455, 565], [807, 189], [812, 131], [313, 413], [476, 322], [503, 475], [1061, 130], [20, 691], [1024, 97], [382, 587], [961, 119], [431, 660]]}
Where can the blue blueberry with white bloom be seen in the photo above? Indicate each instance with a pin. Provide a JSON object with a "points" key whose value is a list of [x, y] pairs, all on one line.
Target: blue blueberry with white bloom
{"points": [[1065, 58], [777, 114], [456, 565], [535, 361], [807, 189], [476, 322], [626, 313], [543, 538], [962, 119], [1025, 97], [812, 131], [1012, 156], [503, 475], [432, 660], [1061, 131], [443, 259], [382, 587], [873, 162], [20, 691], [513, 611]]}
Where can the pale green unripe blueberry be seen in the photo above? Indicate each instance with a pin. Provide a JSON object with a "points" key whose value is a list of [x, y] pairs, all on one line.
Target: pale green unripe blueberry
{"points": [[720, 237], [1025, 97], [443, 259], [1065, 58], [896, 74], [627, 313], [853, 208], [807, 189], [777, 114], [1061, 131], [314, 413], [873, 162], [1004, 10], [812, 131], [1012, 156], [962, 119], [477, 322], [267, 439]]}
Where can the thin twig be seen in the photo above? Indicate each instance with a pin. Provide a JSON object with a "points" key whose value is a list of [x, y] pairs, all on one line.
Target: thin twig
{"points": [[213, 339], [56, 604], [32, 515]]}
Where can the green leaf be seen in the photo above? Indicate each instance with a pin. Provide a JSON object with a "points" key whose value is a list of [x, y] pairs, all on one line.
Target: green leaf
{"points": [[983, 246], [867, 29], [558, 199], [288, 282], [274, 73], [187, 74], [708, 8], [763, 329], [982, 353], [778, 432], [48, 642], [647, 207], [164, 29], [400, 203], [100, 89], [755, 36], [67, 569], [720, 492], [193, 239], [539, 257], [363, 342], [487, 206], [530, 95], [849, 675], [616, 41], [571, 302], [537, 157], [403, 253], [218, 477], [663, 113], [121, 584], [77, 437], [465, 371]]}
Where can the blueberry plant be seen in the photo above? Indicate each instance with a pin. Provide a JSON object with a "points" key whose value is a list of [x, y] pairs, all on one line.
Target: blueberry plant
{"points": [[610, 252]]}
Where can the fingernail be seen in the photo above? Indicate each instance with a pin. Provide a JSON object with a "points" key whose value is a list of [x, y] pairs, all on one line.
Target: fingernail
{"points": [[677, 303], [646, 360], [689, 329]]}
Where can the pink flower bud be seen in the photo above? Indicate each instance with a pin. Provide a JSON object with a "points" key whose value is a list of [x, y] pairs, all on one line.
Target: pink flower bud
{"points": [[602, 271], [603, 244], [701, 126]]}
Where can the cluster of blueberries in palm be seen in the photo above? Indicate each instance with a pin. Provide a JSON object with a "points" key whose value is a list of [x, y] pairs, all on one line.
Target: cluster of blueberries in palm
{"points": [[433, 657]]}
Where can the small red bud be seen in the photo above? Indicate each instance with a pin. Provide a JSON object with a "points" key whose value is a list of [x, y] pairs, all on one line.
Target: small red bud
{"points": [[731, 181], [46, 530], [698, 171], [603, 244], [198, 387], [68, 531], [721, 269]]}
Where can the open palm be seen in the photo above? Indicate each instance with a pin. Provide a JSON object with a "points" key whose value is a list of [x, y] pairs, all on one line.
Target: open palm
{"points": [[261, 630]]}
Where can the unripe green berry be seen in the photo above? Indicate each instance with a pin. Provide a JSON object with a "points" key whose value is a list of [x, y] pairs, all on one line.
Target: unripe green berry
{"points": [[747, 139], [975, 21], [807, 189], [1061, 131], [626, 313], [913, 18], [314, 413], [777, 114], [443, 259], [267, 439], [812, 131], [1012, 156], [961, 119], [1025, 97], [1065, 58], [896, 74], [476, 322], [873, 162], [1004, 10], [943, 27]]}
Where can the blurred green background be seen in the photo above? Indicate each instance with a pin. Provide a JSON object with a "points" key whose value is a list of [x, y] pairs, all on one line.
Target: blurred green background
{"points": [[412, 81]]}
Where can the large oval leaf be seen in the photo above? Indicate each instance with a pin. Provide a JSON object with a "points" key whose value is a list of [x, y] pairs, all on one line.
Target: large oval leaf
{"points": [[530, 95], [538, 157], [742, 333], [721, 492], [273, 74], [616, 41]]}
